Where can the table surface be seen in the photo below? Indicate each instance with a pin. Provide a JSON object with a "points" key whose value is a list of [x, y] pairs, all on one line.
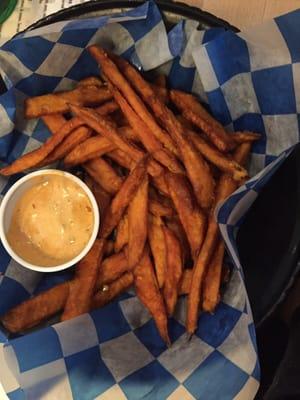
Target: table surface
{"points": [[243, 13], [240, 13]]}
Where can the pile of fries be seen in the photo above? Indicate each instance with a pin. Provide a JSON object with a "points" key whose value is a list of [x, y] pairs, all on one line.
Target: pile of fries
{"points": [[158, 164]]}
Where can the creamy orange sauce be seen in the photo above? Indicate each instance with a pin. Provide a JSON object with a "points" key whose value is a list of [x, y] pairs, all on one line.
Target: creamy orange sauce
{"points": [[52, 221]]}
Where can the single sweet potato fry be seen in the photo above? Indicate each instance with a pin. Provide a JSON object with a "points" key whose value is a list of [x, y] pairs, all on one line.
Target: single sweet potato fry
{"points": [[191, 217], [197, 169], [121, 234], [225, 187], [81, 288], [148, 139], [186, 281], [35, 157], [199, 270], [112, 268], [54, 122], [113, 74], [104, 174], [121, 158], [148, 292], [33, 311], [158, 248], [212, 281], [174, 270], [137, 223], [91, 148], [58, 102], [109, 292], [75, 138], [242, 152], [107, 108], [241, 137], [90, 81], [194, 112], [123, 198], [176, 227]]}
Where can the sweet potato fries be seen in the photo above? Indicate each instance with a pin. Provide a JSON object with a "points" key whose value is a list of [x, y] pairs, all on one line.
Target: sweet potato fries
{"points": [[158, 173]]}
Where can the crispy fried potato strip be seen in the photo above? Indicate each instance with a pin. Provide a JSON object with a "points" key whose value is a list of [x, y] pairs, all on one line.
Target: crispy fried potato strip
{"points": [[54, 122], [112, 268], [59, 102], [148, 292], [81, 288], [212, 282], [111, 291], [191, 217], [176, 227], [186, 281], [33, 311], [90, 81], [174, 270], [75, 138], [121, 234], [104, 174], [107, 108], [158, 248], [137, 223], [241, 137], [35, 157], [93, 147]]}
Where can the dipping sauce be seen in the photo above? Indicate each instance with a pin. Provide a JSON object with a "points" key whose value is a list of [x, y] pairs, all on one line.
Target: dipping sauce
{"points": [[52, 221]]}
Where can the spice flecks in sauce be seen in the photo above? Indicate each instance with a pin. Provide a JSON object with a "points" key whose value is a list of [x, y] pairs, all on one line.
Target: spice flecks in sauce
{"points": [[52, 221]]}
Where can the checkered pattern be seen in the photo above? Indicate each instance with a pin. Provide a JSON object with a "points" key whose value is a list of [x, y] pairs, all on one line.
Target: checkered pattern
{"points": [[124, 356], [252, 83], [115, 352]]}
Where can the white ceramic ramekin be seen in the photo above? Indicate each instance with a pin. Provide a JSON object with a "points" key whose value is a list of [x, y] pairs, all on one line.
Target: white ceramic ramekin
{"points": [[7, 207]]}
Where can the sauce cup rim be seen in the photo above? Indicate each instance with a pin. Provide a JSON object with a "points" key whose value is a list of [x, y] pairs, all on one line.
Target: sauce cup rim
{"points": [[87, 247]]}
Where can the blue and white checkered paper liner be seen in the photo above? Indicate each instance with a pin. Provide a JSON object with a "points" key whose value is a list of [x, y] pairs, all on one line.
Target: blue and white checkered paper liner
{"points": [[115, 353]]}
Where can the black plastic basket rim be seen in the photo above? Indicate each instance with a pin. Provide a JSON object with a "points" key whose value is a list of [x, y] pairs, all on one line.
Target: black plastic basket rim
{"points": [[181, 9]]}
